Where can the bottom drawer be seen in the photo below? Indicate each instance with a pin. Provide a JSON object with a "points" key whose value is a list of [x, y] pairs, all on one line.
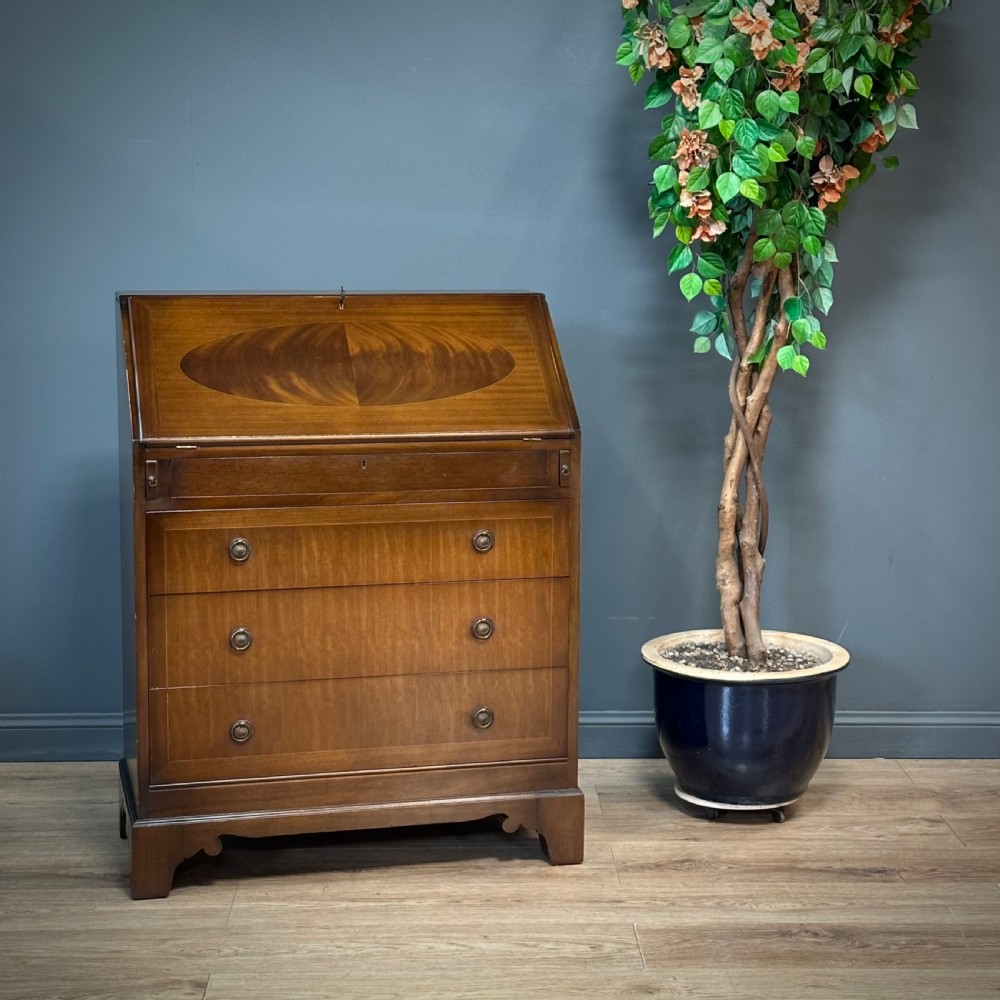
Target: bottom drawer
{"points": [[358, 724]]}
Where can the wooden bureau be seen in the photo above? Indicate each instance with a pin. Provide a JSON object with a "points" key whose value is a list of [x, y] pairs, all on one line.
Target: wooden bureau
{"points": [[350, 529]]}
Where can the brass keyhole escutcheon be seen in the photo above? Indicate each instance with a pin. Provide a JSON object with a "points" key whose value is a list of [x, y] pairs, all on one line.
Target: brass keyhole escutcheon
{"points": [[240, 550], [483, 628], [482, 717], [241, 730], [483, 541], [240, 639]]}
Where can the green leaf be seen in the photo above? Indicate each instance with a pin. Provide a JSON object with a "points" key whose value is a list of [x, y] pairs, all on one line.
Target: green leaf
{"points": [[660, 148], [890, 162], [776, 153], [768, 104], [786, 26], [800, 364], [746, 164], [849, 46], [625, 54], [691, 285], [818, 340], [709, 51], [658, 94], [752, 191], [788, 53], [768, 222], [732, 103], [795, 213], [636, 72], [789, 101], [824, 300], [865, 130], [906, 116], [758, 356], [801, 329], [794, 309], [727, 186], [813, 245], [782, 259], [857, 22], [722, 346], [684, 234], [787, 238], [680, 257], [832, 79], [724, 69], [786, 356], [816, 226], [824, 33], [806, 146], [711, 265], [702, 345], [709, 114], [746, 133], [818, 61], [713, 287], [665, 177], [660, 223], [679, 32], [698, 179], [726, 127], [863, 85], [763, 249], [705, 322]]}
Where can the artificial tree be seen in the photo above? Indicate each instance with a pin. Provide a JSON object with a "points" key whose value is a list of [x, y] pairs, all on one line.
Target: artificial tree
{"points": [[779, 109]]}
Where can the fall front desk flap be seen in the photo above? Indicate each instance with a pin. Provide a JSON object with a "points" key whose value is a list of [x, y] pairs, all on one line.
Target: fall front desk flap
{"points": [[326, 367]]}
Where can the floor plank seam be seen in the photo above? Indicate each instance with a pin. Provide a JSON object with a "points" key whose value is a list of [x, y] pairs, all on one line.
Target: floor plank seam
{"points": [[638, 944], [953, 830], [961, 929], [614, 861]]}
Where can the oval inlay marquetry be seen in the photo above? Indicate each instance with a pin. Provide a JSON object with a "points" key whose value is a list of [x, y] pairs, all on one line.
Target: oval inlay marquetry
{"points": [[348, 364]]}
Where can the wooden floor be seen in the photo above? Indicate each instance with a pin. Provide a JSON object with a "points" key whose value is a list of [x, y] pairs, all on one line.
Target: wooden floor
{"points": [[883, 883]]}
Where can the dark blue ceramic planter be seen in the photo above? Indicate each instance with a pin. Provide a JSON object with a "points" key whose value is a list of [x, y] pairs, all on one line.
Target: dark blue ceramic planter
{"points": [[747, 743]]}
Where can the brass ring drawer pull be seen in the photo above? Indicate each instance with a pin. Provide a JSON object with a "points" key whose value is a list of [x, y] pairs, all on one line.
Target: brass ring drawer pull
{"points": [[483, 628], [240, 639], [482, 717], [240, 550], [483, 541], [241, 730]]}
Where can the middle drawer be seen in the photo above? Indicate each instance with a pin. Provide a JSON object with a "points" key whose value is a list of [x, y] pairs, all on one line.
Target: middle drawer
{"points": [[237, 637]]}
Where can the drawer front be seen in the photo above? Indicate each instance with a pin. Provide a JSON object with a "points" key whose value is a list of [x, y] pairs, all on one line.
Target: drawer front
{"points": [[336, 726], [238, 637], [374, 472], [205, 551]]}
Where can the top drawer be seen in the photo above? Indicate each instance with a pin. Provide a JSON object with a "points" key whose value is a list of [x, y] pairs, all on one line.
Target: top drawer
{"points": [[203, 551]]}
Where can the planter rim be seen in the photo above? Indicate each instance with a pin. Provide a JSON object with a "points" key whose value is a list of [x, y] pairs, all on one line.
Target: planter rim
{"points": [[833, 658]]}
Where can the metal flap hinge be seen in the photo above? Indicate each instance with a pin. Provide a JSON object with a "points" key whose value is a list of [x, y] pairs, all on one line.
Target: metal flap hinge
{"points": [[152, 480], [564, 467]]}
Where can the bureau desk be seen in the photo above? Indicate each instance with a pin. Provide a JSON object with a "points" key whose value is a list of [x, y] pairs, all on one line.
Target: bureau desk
{"points": [[350, 529]]}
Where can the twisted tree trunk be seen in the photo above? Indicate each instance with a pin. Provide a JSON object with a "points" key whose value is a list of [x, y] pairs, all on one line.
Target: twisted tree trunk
{"points": [[743, 508]]}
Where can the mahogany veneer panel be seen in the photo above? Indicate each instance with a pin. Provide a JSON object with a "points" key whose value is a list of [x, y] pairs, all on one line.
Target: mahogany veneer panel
{"points": [[338, 547], [220, 366], [317, 727], [357, 631], [351, 575]]}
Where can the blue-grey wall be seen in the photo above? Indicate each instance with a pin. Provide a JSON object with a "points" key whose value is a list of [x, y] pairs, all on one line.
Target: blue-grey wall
{"points": [[308, 144]]}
